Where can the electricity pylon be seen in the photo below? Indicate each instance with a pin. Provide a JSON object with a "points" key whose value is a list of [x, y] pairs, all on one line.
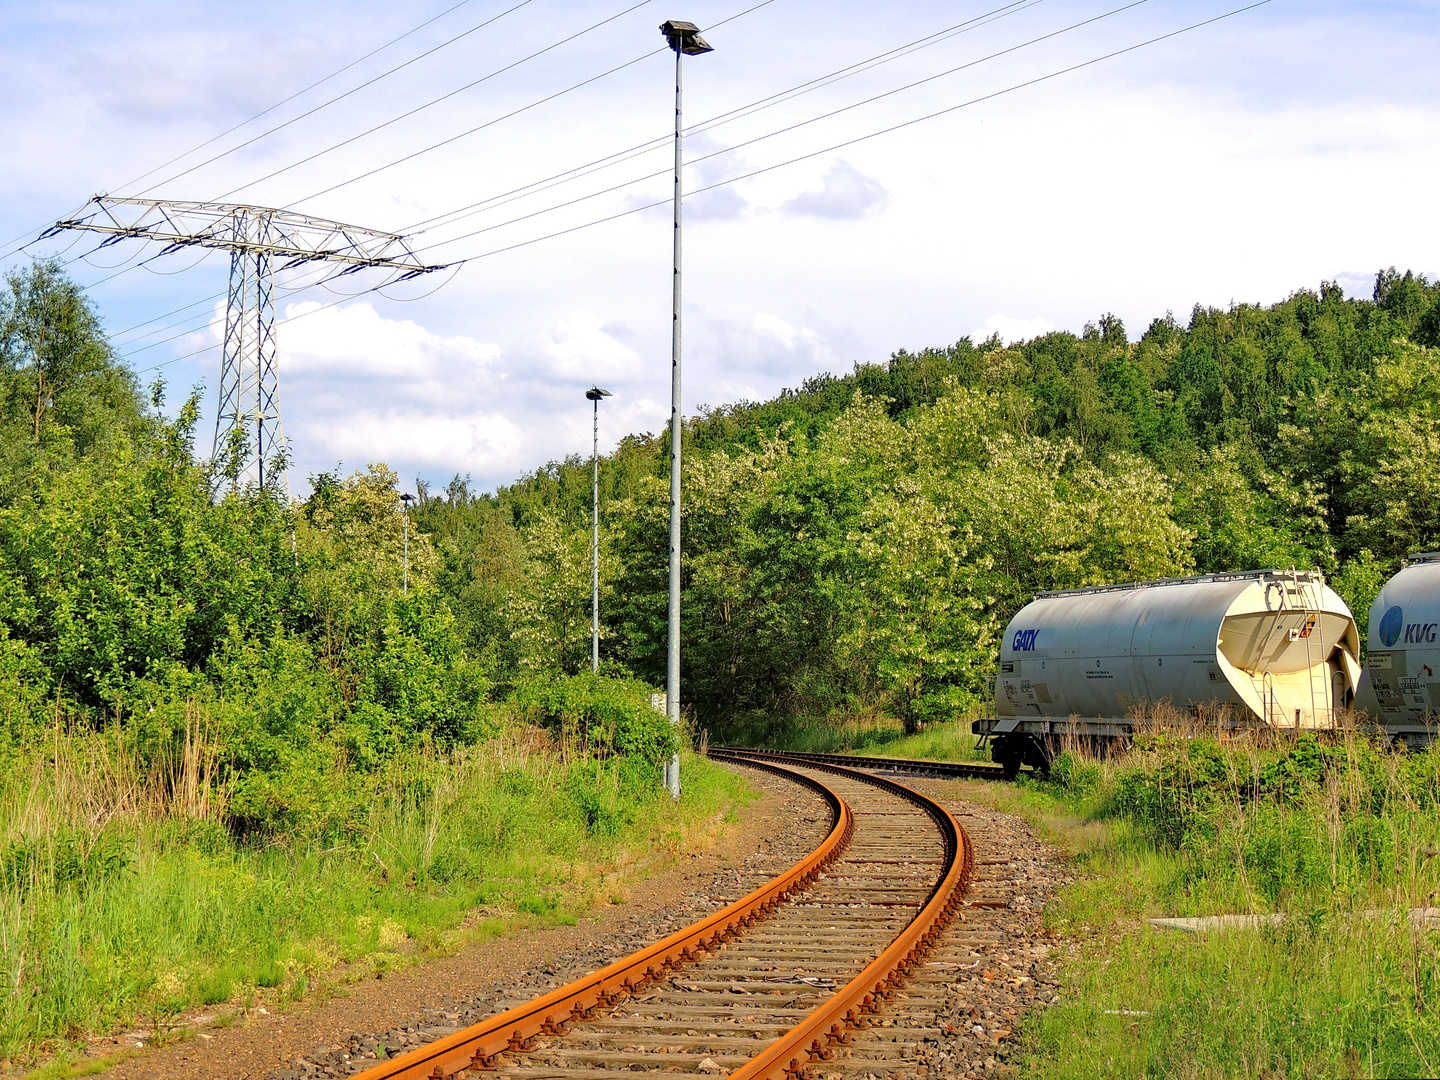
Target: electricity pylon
{"points": [[257, 238]]}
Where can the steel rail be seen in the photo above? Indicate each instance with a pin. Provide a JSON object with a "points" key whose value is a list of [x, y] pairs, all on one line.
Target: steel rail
{"points": [[912, 766], [480, 1045], [814, 1039]]}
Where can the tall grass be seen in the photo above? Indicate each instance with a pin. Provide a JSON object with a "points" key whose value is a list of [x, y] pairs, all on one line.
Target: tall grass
{"points": [[1337, 834], [124, 898]]}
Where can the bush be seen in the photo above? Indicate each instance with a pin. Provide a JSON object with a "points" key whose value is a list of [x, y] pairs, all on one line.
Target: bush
{"points": [[599, 715]]}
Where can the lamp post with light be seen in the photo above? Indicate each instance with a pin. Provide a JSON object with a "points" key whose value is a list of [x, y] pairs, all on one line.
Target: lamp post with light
{"points": [[684, 38], [595, 394]]}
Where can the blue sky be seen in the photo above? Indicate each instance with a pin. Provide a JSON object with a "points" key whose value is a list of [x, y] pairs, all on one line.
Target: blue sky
{"points": [[1286, 145]]}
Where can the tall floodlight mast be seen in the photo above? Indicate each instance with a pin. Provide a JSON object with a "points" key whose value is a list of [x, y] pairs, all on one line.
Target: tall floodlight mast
{"points": [[261, 242], [685, 39]]}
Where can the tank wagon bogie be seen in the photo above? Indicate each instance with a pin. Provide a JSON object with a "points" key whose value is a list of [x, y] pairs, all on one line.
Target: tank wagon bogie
{"points": [[1400, 687], [1269, 648]]}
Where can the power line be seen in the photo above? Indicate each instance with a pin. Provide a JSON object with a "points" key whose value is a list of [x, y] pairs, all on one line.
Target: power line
{"points": [[792, 127], [157, 318], [331, 101], [444, 97], [283, 322], [29, 233], [514, 113], [388, 122], [871, 135], [849, 142], [283, 101], [298, 93], [481, 127], [639, 149], [329, 275]]}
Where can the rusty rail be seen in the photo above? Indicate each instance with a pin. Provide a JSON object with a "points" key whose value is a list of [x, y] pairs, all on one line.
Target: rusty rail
{"points": [[480, 1045], [814, 1038]]}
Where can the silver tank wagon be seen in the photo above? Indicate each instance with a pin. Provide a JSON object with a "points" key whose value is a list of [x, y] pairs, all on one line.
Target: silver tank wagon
{"points": [[1400, 686], [1267, 647]]}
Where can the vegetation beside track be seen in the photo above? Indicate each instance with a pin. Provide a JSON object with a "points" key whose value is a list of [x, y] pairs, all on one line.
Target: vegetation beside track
{"points": [[242, 742], [856, 545], [1341, 839], [203, 687], [124, 909]]}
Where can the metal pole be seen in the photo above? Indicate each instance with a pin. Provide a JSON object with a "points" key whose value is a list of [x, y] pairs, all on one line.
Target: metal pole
{"points": [[595, 543], [405, 566], [672, 667]]}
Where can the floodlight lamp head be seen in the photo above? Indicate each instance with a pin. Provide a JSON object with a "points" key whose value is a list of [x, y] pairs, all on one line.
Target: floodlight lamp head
{"points": [[595, 393], [684, 37], [407, 499]]}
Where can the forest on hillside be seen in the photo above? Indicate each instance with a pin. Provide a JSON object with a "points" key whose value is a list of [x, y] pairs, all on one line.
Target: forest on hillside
{"points": [[857, 544], [852, 546]]}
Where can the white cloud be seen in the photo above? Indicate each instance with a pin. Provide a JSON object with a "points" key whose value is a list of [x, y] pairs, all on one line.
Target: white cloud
{"points": [[481, 443], [770, 345], [844, 193], [583, 347], [1012, 329], [354, 341]]}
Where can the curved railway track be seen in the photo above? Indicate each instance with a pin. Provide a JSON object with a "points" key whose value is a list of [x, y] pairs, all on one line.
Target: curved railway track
{"points": [[944, 770], [797, 972]]}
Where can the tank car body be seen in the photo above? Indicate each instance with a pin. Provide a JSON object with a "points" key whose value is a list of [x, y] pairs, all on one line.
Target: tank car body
{"points": [[1266, 647], [1400, 686]]}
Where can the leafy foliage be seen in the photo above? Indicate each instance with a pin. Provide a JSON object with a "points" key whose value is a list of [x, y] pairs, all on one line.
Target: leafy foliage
{"points": [[854, 545]]}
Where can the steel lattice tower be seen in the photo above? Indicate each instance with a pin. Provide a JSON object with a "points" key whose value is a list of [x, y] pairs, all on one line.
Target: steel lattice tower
{"points": [[248, 409], [249, 397]]}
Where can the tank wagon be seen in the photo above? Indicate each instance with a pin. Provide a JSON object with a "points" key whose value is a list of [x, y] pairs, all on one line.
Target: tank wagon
{"points": [[1276, 648], [1400, 686]]}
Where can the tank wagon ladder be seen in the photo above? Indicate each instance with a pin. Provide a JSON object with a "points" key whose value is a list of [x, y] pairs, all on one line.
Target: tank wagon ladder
{"points": [[1312, 611]]}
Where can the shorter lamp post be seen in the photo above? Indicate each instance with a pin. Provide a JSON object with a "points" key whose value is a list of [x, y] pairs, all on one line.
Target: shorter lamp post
{"points": [[594, 394], [405, 501]]}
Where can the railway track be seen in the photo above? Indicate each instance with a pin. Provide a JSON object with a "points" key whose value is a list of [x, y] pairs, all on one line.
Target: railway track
{"points": [[943, 770], [807, 969]]}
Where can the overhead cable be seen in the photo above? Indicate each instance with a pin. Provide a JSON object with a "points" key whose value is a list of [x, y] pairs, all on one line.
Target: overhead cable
{"points": [[157, 318], [331, 101], [524, 108], [435, 101], [872, 135], [792, 127], [639, 149], [804, 157], [298, 93], [282, 322]]}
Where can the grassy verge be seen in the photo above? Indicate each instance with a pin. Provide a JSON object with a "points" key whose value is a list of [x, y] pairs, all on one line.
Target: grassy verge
{"points": [[123, 905], [1340, 839]]}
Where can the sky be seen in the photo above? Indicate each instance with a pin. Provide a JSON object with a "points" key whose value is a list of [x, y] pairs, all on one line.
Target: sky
{"points": [[862, 178]]}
